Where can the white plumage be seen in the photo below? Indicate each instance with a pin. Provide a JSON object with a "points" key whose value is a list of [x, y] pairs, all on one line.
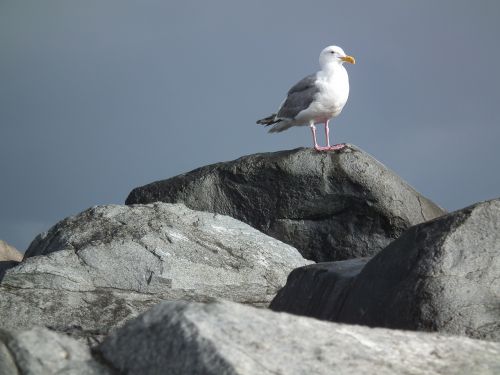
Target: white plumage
{"points": [[316, 98]]}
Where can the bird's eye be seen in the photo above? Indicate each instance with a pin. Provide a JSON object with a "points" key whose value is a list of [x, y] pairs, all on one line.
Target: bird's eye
{"points": [[332, 52]]}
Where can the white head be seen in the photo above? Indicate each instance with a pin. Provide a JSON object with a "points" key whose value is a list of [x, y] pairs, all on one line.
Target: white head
{"points": [[334, 55]]}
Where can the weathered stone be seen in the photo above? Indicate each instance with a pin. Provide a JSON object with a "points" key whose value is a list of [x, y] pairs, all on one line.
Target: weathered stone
{"points": [[86, 316], [443, 275], [9, 253], [5, 265], [232, 339], [329, 205], [39, 351], [94, 271], [318, 290]]}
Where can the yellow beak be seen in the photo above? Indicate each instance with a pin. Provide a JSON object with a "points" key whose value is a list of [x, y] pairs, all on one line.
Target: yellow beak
{"points": [[348, 59]]}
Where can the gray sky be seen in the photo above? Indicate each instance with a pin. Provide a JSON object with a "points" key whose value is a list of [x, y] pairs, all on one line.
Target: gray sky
{"points": [[98, 97]]}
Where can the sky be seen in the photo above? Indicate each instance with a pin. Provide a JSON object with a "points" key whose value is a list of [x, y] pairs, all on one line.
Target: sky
{"points": [[100, 96]]}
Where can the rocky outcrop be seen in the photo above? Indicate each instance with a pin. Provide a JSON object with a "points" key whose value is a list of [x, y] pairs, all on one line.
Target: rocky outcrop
{"points": [[330, 205], [9, 253], [318, 290], [443, 275], [98, 271], [179, 337], [228, 338], [95, 270], [39, 351]]}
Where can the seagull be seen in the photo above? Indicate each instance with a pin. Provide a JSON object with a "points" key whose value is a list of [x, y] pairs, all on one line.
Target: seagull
{"points": [[316, 98]]}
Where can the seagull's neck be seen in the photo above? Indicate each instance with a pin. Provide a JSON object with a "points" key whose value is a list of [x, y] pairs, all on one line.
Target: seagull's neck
{"points": [[331, 69]]}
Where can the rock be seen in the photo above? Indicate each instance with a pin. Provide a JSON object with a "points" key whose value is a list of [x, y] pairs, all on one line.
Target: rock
{"points": [[229, 338], [9, 253], [330, 205], [86, 316], [5, 265], [93, 271], [443, 275], [9, 257], [318, 290], [164, 249], [39, 351]]}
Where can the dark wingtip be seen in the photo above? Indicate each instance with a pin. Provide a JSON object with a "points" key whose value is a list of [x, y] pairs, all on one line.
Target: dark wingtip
{"points": [[268, 120]]}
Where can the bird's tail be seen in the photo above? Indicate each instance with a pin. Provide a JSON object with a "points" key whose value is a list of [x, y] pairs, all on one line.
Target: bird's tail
{"points": [[269, 120], [283, 125]]}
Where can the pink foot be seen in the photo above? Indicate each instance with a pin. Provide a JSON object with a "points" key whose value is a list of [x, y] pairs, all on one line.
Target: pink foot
{"points": [[321, 148], [340, 146]]}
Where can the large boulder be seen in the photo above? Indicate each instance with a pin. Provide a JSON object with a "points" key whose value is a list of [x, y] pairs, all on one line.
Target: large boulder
{"points": [[225, 338], [9, 253], [318, 290], [329, 205], [95, 270], [228, 338], [443, 275], [38, 351]]}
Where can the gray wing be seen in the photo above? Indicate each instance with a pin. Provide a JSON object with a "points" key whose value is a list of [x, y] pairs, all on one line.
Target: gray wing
{"points": [[299, 97]]}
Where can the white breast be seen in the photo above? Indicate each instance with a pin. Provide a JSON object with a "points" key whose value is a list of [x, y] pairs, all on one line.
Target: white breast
{"points": [[334, 91]]}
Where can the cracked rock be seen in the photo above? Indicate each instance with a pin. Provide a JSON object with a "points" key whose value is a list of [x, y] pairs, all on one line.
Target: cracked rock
{"points": [[94, 271], [330, 205], [39, 351], [226, 338]]}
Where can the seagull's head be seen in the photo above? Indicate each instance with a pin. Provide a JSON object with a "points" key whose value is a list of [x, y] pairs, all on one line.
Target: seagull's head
{"points": [[334, 55]]}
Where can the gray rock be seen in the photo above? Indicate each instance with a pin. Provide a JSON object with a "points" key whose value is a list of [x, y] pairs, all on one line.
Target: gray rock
{"points": [[93, 271], [228, 339], [86, 316], [318, 290], [330, 205], [443, 275], [161, 248], [5, 265], [39, 351], [8, 252]]}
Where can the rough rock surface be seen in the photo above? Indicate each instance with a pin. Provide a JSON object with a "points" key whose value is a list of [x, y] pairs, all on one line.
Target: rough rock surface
{"points": [[330, 205], [95, 270], [39, 351], [443, 275], [227, 339], [86, 316], [8, 253], [317, 290], [5, 265]]}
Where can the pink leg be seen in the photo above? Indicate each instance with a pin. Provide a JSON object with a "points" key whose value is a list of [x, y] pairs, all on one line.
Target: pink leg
{"points": [[316, 147], [327, 134], [339, 146]]}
